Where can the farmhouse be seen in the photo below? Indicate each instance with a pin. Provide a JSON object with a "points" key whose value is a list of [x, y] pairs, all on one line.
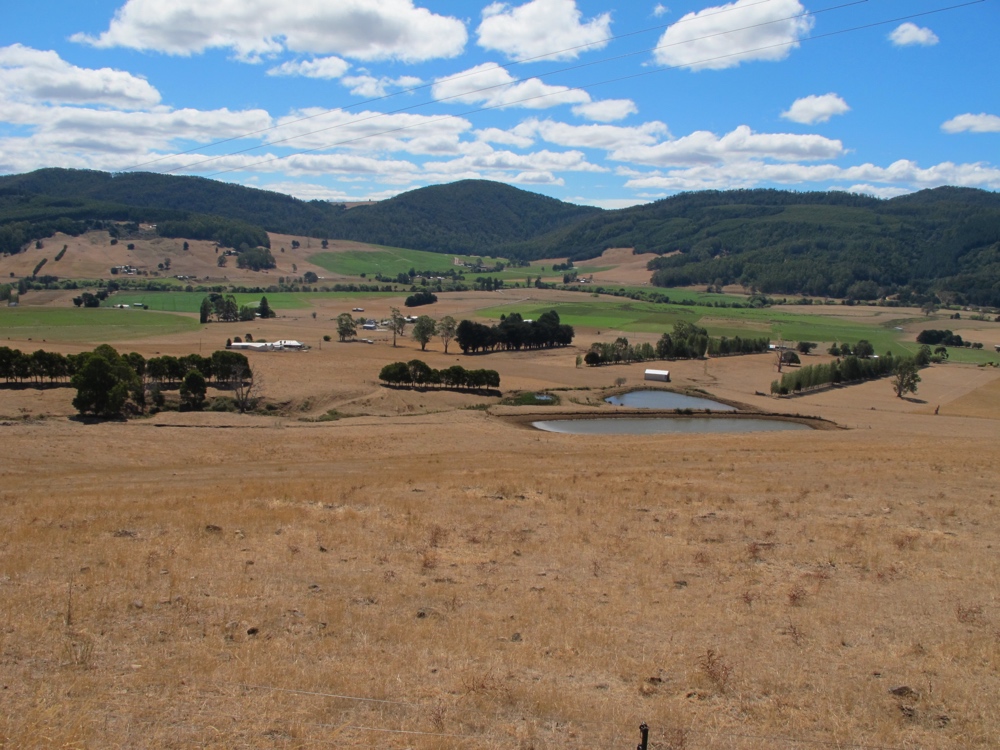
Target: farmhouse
{"points": [[661, 376]]}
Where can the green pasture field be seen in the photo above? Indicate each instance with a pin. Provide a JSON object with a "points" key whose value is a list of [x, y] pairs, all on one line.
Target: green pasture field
{"points": [[390, 261], [676, 294], [605, 315], [190, 302], [644, 317], [88, 325]]}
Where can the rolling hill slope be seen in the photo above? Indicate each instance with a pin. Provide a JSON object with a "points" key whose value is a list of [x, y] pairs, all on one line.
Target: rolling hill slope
{"points": [[945, 240]]}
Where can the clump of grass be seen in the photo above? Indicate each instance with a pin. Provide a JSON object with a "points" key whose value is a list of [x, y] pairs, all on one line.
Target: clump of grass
{"points": [[716, 669]]}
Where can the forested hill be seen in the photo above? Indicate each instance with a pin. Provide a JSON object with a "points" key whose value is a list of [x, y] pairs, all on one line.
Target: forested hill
{"points": [[275, 212], [471, 216], [824, 244]]}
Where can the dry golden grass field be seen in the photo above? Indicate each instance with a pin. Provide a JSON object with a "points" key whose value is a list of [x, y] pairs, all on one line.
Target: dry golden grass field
{"points": [[421, 574]]}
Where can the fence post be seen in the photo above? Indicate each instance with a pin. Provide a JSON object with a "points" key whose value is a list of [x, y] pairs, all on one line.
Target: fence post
{"points": [[644, 732]]}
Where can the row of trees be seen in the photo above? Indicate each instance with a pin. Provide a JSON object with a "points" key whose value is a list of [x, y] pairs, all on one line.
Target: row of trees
{"points": [[419, 373], [110, 384], [855, 369], [686, 341], [513, 332]]}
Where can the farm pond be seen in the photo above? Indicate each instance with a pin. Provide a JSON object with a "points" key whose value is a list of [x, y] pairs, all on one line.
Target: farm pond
{"points": [[666, 400], [666, 425]]}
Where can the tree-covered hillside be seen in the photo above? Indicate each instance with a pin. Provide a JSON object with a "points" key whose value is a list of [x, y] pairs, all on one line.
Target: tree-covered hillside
{"points": [[475, 217], [835, 244], [275, 212], [827, 244]]}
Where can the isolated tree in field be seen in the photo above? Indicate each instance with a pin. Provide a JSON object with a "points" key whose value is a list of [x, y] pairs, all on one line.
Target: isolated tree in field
{"points": [[424, 330], [397, 323], [805, 347], [346, 327], [446, 328], [905, 377], [206, 310], [265, 309]]}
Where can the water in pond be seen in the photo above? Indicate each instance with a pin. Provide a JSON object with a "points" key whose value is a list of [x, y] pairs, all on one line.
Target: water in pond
{"points": [[665, 400], [681, 425]]}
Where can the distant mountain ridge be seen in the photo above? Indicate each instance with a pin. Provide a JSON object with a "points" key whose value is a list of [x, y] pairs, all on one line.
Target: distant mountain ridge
{"points": [[824, 244]]}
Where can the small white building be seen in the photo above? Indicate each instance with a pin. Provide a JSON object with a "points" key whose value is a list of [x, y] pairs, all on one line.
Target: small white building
{"points": [[660, 376], [254, 346]]}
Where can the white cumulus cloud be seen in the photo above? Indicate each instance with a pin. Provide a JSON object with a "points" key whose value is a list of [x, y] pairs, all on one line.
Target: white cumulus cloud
{"points": [[320, 67], [28, 75], [969, 123], [606, 110], [357, 29], [727, 35], [493, 86], [909, 34], [660, 10], [606, 137], [551, 28], [750, 174], [371, 87], [812, 109], [878, 191], [742, 144]]}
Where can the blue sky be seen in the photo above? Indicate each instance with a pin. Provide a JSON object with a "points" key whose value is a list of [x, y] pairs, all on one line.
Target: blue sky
{"points": [[601, 102]]}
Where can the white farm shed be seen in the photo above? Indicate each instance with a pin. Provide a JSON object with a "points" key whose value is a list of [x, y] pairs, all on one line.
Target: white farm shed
{"points": [[662, 376]]}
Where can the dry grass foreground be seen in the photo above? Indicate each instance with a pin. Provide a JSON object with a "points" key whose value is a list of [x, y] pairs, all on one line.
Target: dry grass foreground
{"points": [[450, 580]]}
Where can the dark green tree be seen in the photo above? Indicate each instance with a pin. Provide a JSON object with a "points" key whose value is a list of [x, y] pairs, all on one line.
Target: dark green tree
{"points": [[206, 310], [192, 391], [104, 383]]}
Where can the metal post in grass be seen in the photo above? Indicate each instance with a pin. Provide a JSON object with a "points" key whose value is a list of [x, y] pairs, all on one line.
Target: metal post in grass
{"points": [[644, 734]]}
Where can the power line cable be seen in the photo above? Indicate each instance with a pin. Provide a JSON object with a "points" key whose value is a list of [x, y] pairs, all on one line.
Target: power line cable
{"points": [[619, 79], [505, 84], [459, 76]]}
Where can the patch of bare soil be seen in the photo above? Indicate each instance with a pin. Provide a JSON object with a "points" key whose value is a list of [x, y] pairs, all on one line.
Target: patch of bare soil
{"points": [[92, 256], [630, 269]]}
